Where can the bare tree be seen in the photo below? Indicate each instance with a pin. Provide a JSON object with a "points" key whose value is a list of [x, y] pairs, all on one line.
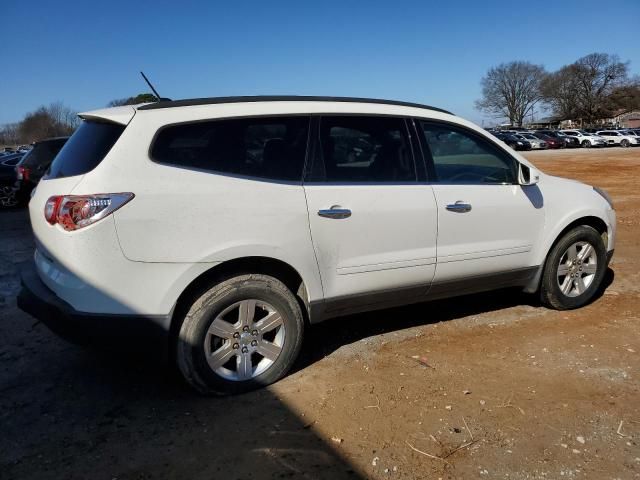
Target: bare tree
{"points": [[626, 98], [52, 121], [9, 134], [583, 89], [511, 90]]}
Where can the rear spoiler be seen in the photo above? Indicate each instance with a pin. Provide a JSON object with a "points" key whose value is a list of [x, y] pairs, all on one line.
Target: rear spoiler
{"points": [[119, 115]]}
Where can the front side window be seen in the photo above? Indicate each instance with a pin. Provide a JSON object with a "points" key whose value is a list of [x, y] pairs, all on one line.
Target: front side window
{"points": [[358, 149], [272, 148], [460, 156]]}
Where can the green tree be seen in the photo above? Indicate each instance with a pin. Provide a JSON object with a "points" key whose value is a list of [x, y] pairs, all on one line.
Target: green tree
{"points": [[140, 98]]}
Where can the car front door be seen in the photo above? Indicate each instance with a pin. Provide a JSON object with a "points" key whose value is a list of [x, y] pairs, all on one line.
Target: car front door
{"points": [[373, 223], [487, 222]]}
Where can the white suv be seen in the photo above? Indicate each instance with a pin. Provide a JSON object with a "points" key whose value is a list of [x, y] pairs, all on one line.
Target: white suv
{"points": [[623, 139], [586, 139], [224, 226]]}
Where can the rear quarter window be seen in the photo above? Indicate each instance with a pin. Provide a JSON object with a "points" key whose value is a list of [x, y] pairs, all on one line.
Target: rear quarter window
{"points": [[272, 148], [86, 148]]}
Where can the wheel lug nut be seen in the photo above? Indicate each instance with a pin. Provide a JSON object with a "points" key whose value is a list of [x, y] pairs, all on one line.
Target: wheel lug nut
{"points": [[254, 343], [245, 329], [245, 349], [254, 333], [236, 346], [236, 335]]}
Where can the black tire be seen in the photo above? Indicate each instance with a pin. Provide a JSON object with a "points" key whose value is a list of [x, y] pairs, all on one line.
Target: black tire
{"points": [[624, 143], [586, 144], [550, 293], [190, 348]]}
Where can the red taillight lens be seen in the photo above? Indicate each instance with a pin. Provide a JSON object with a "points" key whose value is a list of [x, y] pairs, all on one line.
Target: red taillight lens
{"points": [[77, 211], [23, 173], [51, 209]]}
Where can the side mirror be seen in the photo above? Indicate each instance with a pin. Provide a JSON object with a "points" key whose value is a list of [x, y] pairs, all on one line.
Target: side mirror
{"points": [[527, 175]]}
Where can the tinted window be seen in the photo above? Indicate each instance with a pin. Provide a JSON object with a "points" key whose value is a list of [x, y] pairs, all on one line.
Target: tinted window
{"points": [[460, 156], [85, 149], [272, 148], [42, 154], [366, 149]]}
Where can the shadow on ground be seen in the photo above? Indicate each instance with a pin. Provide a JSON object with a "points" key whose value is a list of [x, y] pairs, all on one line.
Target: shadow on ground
{"points": [[68, 412]]}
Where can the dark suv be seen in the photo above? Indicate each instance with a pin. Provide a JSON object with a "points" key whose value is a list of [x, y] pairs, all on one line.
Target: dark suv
{"points": [[35, 164]]}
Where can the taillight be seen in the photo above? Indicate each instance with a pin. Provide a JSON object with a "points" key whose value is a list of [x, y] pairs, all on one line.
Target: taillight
{"points": [[77, 211], [23, 173]]}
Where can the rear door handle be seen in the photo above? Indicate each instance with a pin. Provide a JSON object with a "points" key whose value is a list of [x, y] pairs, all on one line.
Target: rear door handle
{"points": [[336, 212], [459, 207]]}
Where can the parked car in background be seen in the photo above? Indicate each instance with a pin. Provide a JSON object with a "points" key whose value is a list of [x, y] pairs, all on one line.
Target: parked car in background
{"points": [[196, 223], [514, 142], [536, 143], [586, 139], [34, 165], [552, 142], [8, 165], [569, 142], [631, 132], [618, 138]]}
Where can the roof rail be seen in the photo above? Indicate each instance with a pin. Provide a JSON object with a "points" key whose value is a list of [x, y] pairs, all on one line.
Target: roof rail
{"points": [[279, 98]]}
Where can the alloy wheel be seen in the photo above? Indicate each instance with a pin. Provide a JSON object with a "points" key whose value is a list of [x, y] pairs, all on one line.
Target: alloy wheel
{"points": [[577, 269], [244, 340], [8, 197]]}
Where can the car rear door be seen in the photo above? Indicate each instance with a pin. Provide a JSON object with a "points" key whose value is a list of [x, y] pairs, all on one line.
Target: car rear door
{"points": [[373, 222], [487, 222]]}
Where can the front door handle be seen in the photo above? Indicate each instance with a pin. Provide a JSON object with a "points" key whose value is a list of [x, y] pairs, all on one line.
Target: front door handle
{"points": [[459, 207], [336, 212]]}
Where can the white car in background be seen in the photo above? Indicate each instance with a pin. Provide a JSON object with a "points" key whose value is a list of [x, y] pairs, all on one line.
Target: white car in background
{"points": [[536, 143], [586, 139], [223, 227], [622, 139]]}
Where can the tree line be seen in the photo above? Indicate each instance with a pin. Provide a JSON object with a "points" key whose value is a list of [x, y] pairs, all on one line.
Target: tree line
{"points": [[594, 87], [54, 120]]}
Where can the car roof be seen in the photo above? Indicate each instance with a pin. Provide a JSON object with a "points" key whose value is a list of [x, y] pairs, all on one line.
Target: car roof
{"points": [[280, 98]]}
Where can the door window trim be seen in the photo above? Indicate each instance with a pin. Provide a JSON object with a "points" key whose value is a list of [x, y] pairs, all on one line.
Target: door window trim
{"points": [[428, 157]]}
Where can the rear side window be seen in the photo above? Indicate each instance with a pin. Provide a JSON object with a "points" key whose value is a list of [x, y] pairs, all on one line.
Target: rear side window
{"points": [[85, 149], [272, 148], [366, 150]]}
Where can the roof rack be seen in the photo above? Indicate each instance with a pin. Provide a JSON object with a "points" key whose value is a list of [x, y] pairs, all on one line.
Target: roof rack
{"points": [[281, 98]]}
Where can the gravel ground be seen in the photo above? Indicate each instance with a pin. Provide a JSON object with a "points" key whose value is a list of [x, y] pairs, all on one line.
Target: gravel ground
{"points": [[484, 386]]}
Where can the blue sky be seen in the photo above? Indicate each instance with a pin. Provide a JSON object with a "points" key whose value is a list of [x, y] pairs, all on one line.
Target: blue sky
{"points": [[87, 53]]}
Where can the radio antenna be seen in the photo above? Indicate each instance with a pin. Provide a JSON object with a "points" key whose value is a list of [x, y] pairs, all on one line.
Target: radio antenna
{"points": [[155, 92]]}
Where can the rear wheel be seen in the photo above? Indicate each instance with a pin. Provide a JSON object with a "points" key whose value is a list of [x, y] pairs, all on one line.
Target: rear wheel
{"points": [[241, 334], [624, 143], [574, 269], [586, 144]]}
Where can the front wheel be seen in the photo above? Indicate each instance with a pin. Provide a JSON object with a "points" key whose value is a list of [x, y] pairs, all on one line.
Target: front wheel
{"points": [[624, 143], [586, 144], [574, 269], [243, 333]]}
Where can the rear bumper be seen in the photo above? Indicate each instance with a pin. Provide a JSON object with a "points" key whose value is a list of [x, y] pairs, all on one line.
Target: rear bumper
{"points": [[36, 299]]}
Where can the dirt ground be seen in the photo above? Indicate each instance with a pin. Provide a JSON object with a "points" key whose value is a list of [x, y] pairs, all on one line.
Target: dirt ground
{"points": [[484, 386]]}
